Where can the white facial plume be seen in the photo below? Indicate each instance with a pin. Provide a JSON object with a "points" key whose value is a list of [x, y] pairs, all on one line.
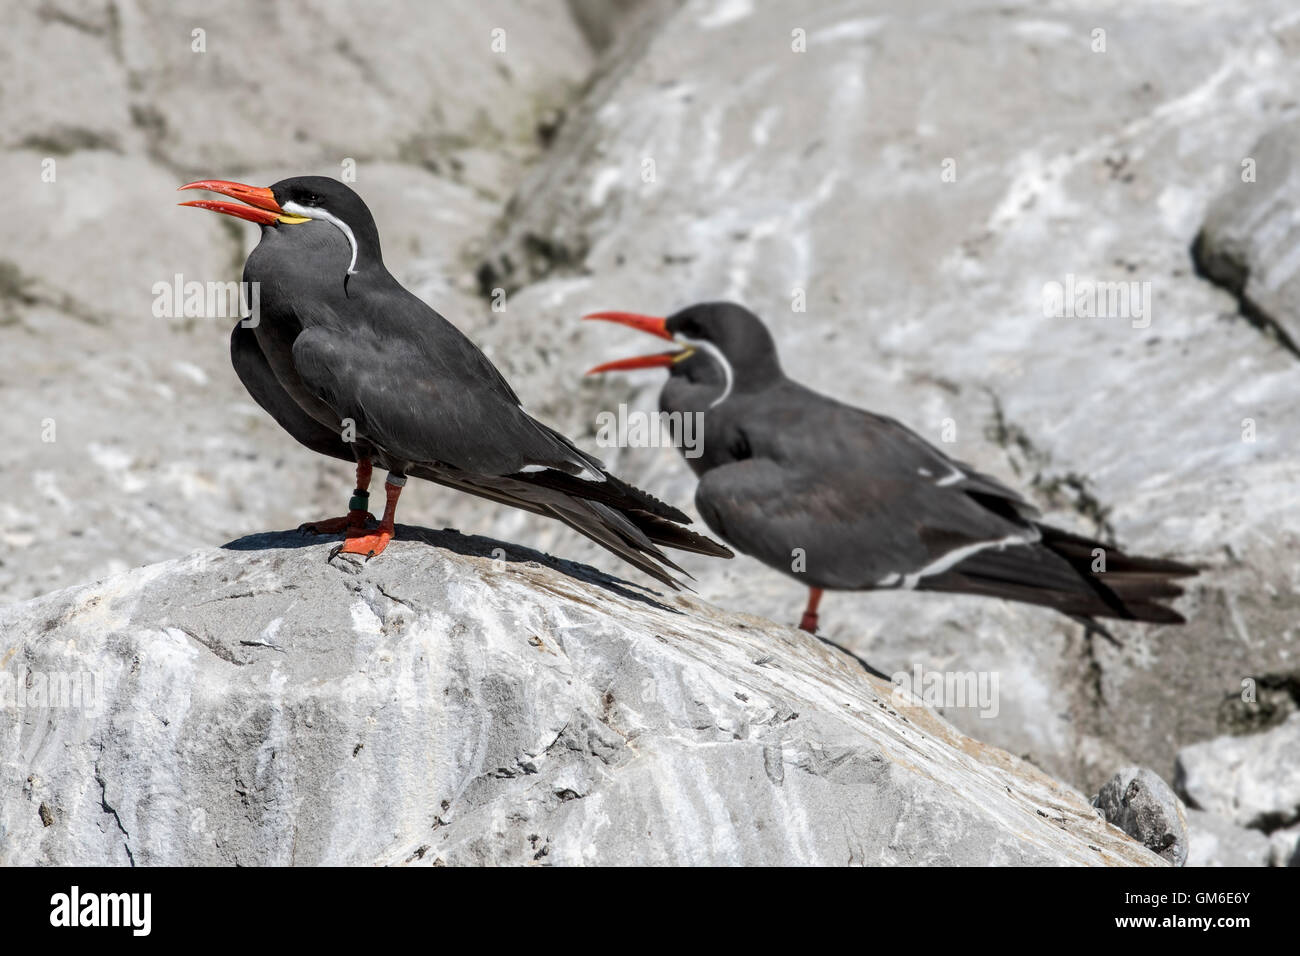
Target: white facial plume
{"points": [[316, 212]]}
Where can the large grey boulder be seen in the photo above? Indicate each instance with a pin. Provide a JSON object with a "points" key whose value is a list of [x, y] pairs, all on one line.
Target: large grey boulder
{"points": [[463, 701]]}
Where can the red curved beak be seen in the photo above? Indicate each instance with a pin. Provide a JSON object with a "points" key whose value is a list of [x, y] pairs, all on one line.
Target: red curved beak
{"points": [[650, 324], [260, 207], [660, 360]]}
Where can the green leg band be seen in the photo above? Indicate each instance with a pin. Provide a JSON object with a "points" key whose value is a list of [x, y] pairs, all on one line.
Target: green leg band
{"points": [[360, 501]]}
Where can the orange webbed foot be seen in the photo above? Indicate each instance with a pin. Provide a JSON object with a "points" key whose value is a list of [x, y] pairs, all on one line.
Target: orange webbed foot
{"points": [[368, 544]]}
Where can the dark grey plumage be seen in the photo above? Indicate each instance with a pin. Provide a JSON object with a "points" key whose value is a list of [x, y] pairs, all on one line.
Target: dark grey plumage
{"points": [[340, 347], [786, 472]]}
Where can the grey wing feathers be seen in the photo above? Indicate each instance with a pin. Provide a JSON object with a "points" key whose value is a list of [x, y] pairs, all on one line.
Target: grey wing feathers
{"points": [[257, 377], [417, 413], [868, 504]]}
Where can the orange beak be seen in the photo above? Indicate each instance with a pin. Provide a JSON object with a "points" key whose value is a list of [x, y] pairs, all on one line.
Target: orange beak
{"points": [[260, 207], [650, 324], [660, 360]]}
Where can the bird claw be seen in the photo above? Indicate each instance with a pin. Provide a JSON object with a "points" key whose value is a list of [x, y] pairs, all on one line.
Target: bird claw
{"points": [[351, 520]]}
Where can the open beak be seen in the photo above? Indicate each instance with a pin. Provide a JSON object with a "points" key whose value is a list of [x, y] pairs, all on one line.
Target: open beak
{"points": [[260, 205], [650, 324]]}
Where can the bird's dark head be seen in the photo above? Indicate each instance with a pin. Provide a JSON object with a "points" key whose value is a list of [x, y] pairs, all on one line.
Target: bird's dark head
{"points": [[298, 201], [721, 342]]}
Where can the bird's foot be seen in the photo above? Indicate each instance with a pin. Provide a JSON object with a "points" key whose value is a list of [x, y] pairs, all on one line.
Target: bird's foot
{"points": [[350, 521], [365, 543], [808, 623]]}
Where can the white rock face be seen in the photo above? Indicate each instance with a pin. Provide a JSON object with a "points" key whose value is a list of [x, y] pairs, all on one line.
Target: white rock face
{"points": [[1254, 780], [258, 705], [1250, 237], [1284, 847], [1214, 841]]}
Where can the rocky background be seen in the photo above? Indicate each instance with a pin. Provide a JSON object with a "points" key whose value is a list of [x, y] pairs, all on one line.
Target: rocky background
{"points": [[913, 175]]}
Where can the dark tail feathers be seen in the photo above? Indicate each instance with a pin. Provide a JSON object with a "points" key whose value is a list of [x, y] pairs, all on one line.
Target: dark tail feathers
{"points": [[1057, 572]]}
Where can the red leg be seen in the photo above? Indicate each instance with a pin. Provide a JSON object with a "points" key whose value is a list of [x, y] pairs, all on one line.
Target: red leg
{"points": [[370, 543], [809, 621], [358, 508]]}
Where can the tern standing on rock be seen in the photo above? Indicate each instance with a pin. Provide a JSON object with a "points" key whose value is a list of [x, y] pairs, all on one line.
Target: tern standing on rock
{"points": [[841, 499], [354, 366]]}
